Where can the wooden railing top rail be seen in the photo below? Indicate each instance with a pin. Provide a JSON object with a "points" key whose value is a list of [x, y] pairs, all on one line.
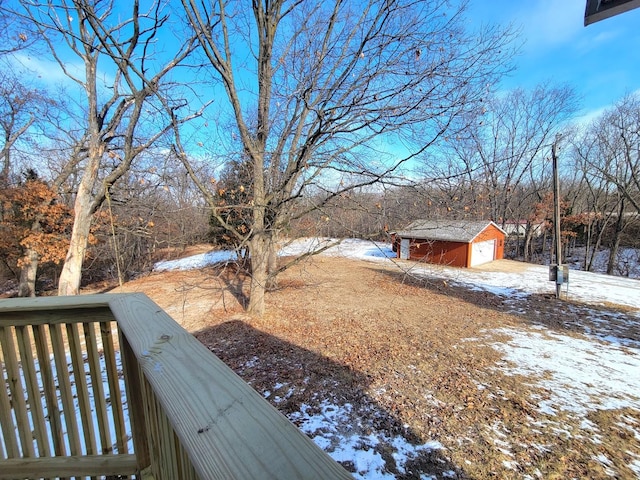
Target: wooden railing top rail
{"points": [[227, 429], [48, 304]]}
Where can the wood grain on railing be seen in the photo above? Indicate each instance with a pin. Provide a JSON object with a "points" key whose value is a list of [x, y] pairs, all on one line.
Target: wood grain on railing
{"points": [[56, 413], [191, 417], [88, 465]]}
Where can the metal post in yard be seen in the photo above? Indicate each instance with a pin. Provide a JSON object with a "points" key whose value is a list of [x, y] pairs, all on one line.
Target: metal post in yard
{"points": [[556, 217]]}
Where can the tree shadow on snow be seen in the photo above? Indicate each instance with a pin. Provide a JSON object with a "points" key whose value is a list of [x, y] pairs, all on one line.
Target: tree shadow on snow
{"points": [[327, 401]]}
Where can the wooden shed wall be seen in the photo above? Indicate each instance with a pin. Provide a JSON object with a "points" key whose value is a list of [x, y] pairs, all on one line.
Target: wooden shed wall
{"points": [[435, 251], [456, 254]]}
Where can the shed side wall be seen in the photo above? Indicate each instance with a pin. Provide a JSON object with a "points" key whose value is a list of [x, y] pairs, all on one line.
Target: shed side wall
{"points": [[434, 251]]}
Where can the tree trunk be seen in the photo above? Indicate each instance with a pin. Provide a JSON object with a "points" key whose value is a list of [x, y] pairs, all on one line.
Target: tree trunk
{"points": [[27, 286], [587, 247], [272, 265], [615, 245], [258, 246], [596, 246], [528, 234], [613, 254], [71, 274]]}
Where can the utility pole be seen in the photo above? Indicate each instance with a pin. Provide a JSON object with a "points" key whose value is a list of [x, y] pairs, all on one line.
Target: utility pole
{"points": [[556, 219]]}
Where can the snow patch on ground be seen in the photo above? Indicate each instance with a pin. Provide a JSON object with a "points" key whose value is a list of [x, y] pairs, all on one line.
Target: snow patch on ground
{"points": [[195, 261], [337, 430], [578, 375], [349, 247], [588, 287], [628, 261]]}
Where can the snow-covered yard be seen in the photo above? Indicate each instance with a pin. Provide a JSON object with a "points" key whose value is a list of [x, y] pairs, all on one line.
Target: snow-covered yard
{"points": [[593, 288], [584, 373], [579, 375]]}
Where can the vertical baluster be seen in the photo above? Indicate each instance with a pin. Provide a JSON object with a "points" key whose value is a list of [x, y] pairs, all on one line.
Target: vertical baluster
{"points": [[33, 391], [153, 433], [6, 419], [170, 445], [187, 472], [17, 392], [97, 386], [135, 401], [114, 386], [82, 390], [64, 385], [50, 392]]}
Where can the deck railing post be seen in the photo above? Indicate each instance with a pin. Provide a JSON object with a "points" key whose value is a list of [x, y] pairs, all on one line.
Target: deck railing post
{"points": [[135, 401]]}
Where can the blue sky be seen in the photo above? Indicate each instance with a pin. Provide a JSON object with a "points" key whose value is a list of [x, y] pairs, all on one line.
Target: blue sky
{"points": [[601, 61]]}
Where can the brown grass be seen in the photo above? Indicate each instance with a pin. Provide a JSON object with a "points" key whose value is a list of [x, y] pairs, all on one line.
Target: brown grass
{"points": [[413, 358]]}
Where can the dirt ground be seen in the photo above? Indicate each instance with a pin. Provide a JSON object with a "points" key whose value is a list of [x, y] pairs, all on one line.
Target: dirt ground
{"points": [[411, 357]]}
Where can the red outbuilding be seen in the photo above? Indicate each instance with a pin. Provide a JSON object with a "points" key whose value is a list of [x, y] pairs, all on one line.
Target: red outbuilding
{"points": [[459, 243]]}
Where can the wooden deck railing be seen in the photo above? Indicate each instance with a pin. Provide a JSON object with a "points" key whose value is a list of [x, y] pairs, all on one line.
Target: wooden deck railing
{"points": [[106, 385]]}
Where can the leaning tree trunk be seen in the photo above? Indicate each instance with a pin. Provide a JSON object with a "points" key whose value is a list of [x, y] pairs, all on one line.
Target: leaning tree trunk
{"points": [[27, 286], [71, 274], [596, 246], [69, 283]]}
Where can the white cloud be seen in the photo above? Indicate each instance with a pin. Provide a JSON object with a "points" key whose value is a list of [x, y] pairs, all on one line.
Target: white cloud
{"points": [[47, 71], [551, 22], [592, 114], [589, 116]]}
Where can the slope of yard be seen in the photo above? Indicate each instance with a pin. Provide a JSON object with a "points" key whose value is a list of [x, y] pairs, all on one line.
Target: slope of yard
{"points": [[408, 371]]}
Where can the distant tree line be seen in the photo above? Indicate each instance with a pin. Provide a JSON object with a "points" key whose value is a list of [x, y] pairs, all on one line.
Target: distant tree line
{"points": [[323, 119]]}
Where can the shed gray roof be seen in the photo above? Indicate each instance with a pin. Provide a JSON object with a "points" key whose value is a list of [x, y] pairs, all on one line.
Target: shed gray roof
{"points": [[464, 231]]}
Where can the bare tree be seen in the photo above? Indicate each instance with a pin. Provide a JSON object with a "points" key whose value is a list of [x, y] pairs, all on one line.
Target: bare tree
{"points": [[154, 206], [618, 141], [504, 145], [24, 111], [16, 32], [595, 201], [608, 154], [123, 74], [314, 89]]}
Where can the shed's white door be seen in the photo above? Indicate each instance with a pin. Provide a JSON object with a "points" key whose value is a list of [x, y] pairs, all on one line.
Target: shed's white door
{"points": [[483, 252], [404, 249]]}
